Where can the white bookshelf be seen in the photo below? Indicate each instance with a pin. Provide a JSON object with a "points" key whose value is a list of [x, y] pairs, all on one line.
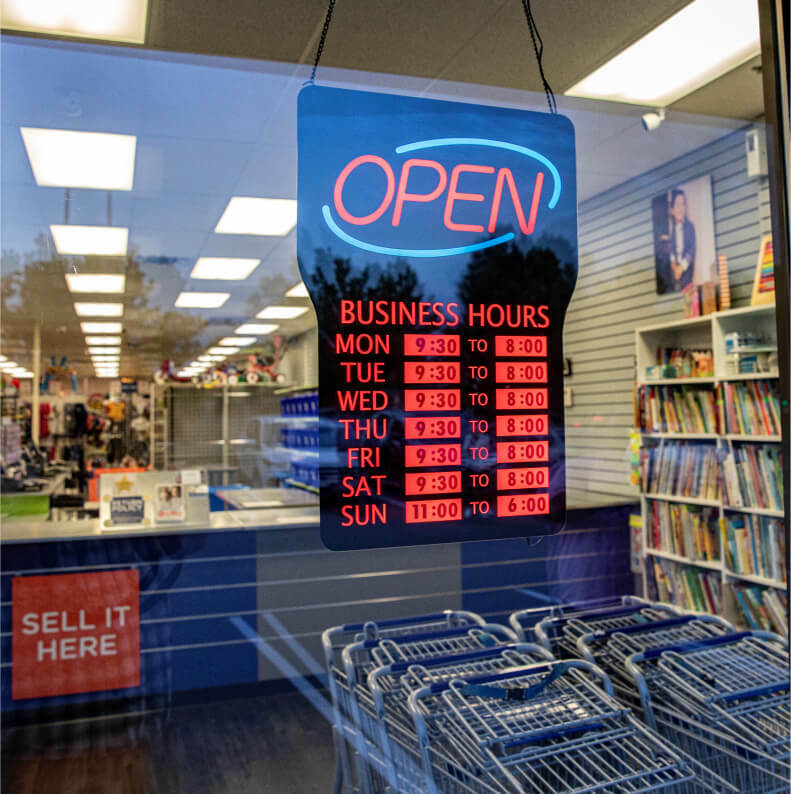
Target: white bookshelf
{"points": [[705, 333]]}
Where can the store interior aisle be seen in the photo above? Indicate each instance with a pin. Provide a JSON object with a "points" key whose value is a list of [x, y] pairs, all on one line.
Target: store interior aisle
{"points": [[273, 743]]}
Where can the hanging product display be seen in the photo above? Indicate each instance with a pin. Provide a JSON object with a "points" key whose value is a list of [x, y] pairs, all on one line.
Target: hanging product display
{"points": [[438, 242]]}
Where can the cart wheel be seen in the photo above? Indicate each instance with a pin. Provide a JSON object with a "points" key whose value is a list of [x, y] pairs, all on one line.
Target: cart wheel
{"points": [[253, 377], [233, 379]]}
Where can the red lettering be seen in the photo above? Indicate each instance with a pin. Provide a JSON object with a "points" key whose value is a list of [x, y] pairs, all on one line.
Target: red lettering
{"points": [[454, 195], [402, 195], [362, 400], [341, 180], [362, 344], [361, 515], [354, 486], [504, 175], [363, 371]]}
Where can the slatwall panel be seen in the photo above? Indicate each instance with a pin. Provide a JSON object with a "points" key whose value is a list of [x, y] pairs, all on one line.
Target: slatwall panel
{"points": [[616, 293]]}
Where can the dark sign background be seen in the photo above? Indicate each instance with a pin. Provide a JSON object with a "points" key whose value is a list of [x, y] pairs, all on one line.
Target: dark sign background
{"points": [[406, 264]]}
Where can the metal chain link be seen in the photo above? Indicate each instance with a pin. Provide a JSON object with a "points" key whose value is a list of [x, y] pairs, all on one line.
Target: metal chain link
{"points": [[322, 39]]}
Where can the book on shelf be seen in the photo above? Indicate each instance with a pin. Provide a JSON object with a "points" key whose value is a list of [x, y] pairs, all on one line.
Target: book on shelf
{"points": [[691, 532], [750, 408], [684, 585], [752, 476], [682, 469], [678, 409], [755, 546], [761, 608]]}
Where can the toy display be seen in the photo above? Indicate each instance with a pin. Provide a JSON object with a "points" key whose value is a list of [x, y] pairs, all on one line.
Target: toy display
{"points": [[59, 373]]}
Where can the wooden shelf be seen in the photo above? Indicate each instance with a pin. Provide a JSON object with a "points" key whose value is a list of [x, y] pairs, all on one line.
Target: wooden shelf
{"points": [[756, 511], [676, 381], [669, 555], [755, 579], [684, 500], [750, 437], [751, 376], [684, 436]]}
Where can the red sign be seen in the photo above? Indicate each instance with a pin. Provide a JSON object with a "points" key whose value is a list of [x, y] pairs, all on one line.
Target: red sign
{"points": [[77, 632]]}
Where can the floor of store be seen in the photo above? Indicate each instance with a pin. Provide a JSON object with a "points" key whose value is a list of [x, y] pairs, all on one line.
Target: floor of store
{"points": [[273, 743]]}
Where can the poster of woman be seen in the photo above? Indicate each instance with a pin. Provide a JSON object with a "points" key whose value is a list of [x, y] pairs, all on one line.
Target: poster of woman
{"points": [[684, 249]]}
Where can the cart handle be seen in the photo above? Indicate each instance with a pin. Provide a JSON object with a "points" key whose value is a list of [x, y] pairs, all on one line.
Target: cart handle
{"points": [[434, 661], [598, 615], [598, 636], [694, 645], [448, 614], [521, 694]]}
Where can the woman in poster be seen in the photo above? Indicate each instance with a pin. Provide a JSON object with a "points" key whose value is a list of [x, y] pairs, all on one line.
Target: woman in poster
{"points": [[682, 243]]}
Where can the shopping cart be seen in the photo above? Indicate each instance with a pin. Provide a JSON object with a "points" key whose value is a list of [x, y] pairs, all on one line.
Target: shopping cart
{"points": [[724, 700], [609, 648], [553, 727], [392, 684], [558, 633], [348, 656]]}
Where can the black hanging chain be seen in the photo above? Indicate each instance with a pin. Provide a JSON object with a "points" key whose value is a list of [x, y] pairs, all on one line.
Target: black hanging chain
{"points": [[538, 46], [535, 36], [322, 39]]}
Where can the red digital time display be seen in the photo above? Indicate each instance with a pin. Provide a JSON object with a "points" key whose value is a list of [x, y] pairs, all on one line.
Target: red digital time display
{"points": [[522, 425], [520, 371], [522, 505], [429, 372], [433, 455], [431, 482], [432, 344], [519, 478], [432, 427], [432, 399], [418, 511], [521, 398], [520, 345], [522, 451]]}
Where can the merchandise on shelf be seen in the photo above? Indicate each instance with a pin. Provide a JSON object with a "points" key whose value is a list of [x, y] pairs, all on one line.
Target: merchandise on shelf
{"points": [[684, 530], [755, 545], [682, 469], [684, 585], [302, 436], [761, 608], [750, 408], [752, 476], [678, 409], [678, 363]]}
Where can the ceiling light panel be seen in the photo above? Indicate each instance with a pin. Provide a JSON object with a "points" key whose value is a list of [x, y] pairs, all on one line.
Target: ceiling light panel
{"points": [[239, 341], [259, 329], [281, 312], [222, 352], [298, 291], [119, 20], [260, 216], [90, 240], [84, 309], [67, 158], [224, 268], [96, 282], [101, 328], [102, 340], [98, 351], [690, 49], [201, 300]]}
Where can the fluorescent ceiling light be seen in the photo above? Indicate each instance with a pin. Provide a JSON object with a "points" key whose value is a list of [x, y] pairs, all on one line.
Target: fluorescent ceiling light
{"points": [[95, 282], [99, 309], [101, 328], [217, 358], [102, 340], [99, 351], [90, 240], [223, 352], [119, 20], [206, 359], [262, 216], [22, 375], [702, 41], [240, 341], [224, 268], [260, 329], [201, 300], [8, 365], [67, 158], [106, 374], [3, 358], [108, 370], [298, 291], [281, 312]]}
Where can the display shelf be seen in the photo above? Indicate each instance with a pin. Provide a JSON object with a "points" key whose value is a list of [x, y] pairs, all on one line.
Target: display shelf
{"points": [[707, 332], [685, 500], [715, 565], [751, 437], [755, 579], [756, 511]]}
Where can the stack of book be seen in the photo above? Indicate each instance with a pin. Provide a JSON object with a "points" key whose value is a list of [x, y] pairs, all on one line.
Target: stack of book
{"points": [[750, 408], [684, 585], [678, 409], [753, 476], [755, 545], [687, 531], [762, 608], [682, 469]]}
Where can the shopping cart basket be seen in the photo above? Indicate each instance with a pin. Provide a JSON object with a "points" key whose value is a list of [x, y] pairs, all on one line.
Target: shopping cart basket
{"points": [[725, 700], [553, 727], [392, 684]]}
